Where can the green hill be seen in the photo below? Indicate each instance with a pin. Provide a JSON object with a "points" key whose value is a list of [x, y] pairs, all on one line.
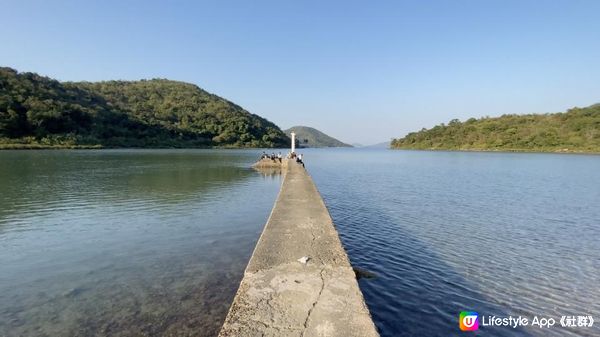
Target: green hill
{"points": [[311, 137], [577, 130], [37, 111]]}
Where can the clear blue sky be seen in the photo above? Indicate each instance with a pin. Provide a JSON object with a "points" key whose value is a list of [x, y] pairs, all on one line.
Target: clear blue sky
{"points": [[361, 71]]}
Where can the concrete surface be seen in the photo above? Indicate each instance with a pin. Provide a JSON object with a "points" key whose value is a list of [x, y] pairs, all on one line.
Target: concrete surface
{"points": [[280, 296]]}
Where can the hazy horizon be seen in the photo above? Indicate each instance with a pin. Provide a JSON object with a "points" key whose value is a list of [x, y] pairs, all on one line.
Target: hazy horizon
{"points": [[361, 74]]}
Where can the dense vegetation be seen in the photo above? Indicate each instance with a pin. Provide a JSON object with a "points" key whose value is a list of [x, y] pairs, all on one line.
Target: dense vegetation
{"points": [[311, 137], [577, 130], [37, 111]]}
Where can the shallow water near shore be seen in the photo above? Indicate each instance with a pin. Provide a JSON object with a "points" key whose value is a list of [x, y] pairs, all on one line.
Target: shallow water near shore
{"points": [[126, 242]]}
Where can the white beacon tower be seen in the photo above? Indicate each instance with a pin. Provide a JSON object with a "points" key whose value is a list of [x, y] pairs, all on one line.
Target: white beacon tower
{"points": [[293, 142]]}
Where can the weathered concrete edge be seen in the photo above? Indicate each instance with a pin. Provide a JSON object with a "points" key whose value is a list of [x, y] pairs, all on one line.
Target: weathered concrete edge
{"points": [[265, 228], [279, 296]]}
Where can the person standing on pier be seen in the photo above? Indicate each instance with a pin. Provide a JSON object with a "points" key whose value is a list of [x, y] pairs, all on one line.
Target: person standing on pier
{"points": [[299, 159]]}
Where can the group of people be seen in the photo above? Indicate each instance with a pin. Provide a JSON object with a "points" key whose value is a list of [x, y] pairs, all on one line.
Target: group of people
{"points": [[298, 158], [275, 157]]}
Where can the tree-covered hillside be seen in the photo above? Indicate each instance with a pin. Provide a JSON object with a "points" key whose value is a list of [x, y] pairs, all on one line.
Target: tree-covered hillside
{"points": [[577, 130], [37, 111], [311, 137]]}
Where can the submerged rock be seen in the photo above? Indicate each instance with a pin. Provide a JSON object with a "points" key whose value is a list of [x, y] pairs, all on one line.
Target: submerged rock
{"points": [[73, 292], [363, 273]]}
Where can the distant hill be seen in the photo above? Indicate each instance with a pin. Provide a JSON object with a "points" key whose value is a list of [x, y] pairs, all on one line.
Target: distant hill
{"points": [[37, 111], [577, 130], [311, 137], [383, 145]]}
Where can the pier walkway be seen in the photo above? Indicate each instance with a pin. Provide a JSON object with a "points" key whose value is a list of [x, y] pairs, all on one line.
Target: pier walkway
{"points": [[281, 294]]}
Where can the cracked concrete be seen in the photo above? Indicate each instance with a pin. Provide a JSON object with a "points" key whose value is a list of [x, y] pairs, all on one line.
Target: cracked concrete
{"points": [[280, 296]]}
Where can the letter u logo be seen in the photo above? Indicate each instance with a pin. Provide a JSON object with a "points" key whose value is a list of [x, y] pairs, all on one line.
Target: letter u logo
{"points": [[468, 321]]}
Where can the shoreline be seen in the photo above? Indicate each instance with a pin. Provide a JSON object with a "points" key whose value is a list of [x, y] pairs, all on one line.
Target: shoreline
{"points": [[500, 151], [26, 147]]}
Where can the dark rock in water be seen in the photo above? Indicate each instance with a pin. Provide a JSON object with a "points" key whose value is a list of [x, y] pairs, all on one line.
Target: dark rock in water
{"points": [[363, 273]]}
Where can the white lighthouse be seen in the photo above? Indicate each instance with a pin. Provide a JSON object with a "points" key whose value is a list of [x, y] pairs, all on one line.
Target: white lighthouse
{"points": [[293, 142]]}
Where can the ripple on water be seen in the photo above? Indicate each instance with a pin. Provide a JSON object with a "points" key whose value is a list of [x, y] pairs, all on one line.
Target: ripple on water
{"points": [[444, 232], [125, 243]]}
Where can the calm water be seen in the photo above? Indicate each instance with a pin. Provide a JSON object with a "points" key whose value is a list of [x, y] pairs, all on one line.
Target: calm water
{"points": [[497, 233], [154, 242], [126, 242]]}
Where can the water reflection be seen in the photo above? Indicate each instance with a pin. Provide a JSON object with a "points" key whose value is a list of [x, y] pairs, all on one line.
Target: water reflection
{"points": [[269, 171], [120, 243]]}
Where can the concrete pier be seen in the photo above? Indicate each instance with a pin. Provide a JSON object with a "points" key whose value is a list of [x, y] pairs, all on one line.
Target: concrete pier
{"points": [[281, 294]]}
